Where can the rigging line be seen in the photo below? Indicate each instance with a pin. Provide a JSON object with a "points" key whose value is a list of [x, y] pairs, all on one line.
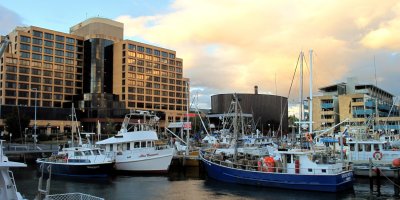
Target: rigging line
{"points": [[376, 81], [290, 89]]}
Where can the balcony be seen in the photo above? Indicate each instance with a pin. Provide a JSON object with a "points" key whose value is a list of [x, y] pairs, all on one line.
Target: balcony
{"points": [[326, 105], [383, 107], [362, 112], [370, 104]]}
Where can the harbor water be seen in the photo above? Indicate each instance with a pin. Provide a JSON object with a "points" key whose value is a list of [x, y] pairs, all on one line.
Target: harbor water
{"points": [[180, 184]]}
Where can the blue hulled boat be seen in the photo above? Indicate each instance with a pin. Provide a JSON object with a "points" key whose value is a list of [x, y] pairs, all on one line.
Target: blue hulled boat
{"points": [[294, 169]]}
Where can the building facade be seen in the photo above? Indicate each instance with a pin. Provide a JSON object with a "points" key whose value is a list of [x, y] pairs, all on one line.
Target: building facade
{"points": [[366, 107], [93, 67]]}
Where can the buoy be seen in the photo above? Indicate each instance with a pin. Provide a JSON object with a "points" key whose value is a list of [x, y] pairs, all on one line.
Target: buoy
{"points": [[297, 166], [396, 162]]}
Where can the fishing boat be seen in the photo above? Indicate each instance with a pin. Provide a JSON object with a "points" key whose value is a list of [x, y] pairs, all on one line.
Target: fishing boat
{"points": [[136, 146], [295, 169], [302, 169], [8, 188], [367, 155], [78, 161], [82, 160]]}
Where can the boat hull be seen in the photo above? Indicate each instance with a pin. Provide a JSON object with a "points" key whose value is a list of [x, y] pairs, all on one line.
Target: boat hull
{"points": [[147, 164], [326, 183], [77, 169]]}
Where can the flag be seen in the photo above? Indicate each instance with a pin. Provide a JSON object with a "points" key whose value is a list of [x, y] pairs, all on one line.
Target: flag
{"points": [[345, 133]]}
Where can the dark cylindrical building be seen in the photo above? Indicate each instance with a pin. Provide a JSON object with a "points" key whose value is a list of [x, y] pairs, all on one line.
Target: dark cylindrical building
{"points": [[269, 111]]}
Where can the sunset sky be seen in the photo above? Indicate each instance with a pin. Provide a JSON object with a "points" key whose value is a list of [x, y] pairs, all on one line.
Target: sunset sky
{"points": [[232, 45]]}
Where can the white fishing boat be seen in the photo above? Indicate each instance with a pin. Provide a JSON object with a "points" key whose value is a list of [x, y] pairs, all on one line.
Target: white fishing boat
{"points": [[364, 154], [80, 160], [136, 146], [8, 189]]}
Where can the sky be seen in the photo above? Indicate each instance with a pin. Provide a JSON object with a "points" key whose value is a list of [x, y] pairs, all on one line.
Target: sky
{"points": [[229, 46]]}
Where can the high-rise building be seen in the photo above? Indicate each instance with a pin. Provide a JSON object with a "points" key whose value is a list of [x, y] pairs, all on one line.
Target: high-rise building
{"points": [[93, 67], [366, 107]]}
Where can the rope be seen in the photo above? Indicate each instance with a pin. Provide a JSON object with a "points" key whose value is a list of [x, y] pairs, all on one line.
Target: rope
{"points": [[381, 172]]}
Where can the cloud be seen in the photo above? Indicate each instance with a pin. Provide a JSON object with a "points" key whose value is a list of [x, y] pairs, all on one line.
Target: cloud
{"points": [[232, 45], [8, 20]]}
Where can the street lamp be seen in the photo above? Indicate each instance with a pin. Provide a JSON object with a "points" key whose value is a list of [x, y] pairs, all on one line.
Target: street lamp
{"points": [[34, 127], [10, 137], [57, 134]]}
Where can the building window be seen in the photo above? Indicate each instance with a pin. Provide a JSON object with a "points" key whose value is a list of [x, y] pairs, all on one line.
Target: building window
{"points": [[26, 47], [49, 36], [60, 38], [48, 43], [48, 51], [69, 47], [131, 47], [59, 45], [24, 54], [37, 41], [156, 52], [59, 53], [149, 51], [36, 72], [48, 58], [59, 60], [140, 48], [36, 56], [25, 39], [37, 49], [37, 34], [70, 40]]}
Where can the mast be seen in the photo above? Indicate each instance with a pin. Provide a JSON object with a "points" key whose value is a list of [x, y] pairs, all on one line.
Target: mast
{"points": [[310, 110], [187, 119], [235, 128], [301, 91]]}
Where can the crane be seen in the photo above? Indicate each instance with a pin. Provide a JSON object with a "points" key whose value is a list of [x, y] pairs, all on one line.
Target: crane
{"points": [[3, 45]]}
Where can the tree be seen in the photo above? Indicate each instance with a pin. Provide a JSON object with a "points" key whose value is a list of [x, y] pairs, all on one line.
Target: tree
{"points": [[109, 127], [16, 122]]}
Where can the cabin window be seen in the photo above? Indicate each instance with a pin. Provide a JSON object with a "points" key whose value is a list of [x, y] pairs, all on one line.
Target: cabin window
{"points": [[128, 146], [309, 170], [288, 158], [360, 147], [77, 153], [119, 147], [143, 144], [368, 147], [323, 170], [137, 144], [351, 147], [87, 153], [96, 152], [148, 143], [376, 147], [111, 147]]}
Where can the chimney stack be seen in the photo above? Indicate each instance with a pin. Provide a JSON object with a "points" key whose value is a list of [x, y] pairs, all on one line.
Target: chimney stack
{"points": [[256, 89]]}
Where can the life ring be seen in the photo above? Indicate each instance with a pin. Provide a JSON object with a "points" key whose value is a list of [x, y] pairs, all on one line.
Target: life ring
{"points": [[377, 155], [309, 137]]}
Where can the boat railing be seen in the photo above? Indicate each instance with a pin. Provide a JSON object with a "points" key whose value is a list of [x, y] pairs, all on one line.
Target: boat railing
{"points": [[253, 165], [72, 196], [12, 179]]}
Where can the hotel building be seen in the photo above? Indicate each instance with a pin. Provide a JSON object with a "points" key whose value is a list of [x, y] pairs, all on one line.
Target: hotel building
{"points": [[93, 67]]}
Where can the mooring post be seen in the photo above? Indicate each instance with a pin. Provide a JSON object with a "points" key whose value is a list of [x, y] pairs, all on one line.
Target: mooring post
{"points": [[396, 181], [378, 181], [371, 180]]}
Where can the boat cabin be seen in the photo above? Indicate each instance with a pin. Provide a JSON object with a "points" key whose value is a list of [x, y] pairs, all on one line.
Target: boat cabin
{"points": [[374, 149]]}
